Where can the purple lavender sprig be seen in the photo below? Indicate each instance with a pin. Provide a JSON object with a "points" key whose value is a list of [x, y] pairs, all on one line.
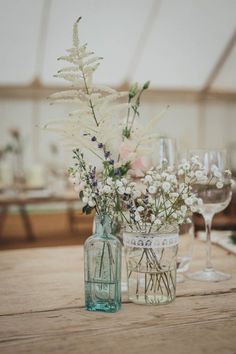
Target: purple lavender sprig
{"points": [[109, 163]]}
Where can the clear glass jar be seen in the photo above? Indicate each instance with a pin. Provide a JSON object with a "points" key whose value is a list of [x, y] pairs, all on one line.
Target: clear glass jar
{"points": [[151, 260], [102, 268]]}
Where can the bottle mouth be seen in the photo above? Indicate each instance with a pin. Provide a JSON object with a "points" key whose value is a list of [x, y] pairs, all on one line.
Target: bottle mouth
{"points": [[103, 223]]}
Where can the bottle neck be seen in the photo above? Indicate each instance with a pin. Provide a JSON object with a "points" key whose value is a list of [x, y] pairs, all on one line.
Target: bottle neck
{"points": [[103, 225]]}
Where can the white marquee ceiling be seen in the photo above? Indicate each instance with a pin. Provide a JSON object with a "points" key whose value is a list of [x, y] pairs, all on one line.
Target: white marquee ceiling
{"points": [[175, 43]]}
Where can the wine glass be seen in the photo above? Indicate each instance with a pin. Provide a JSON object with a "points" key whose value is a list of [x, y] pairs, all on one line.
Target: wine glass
{"points": [[165, 149], [215, 198]]}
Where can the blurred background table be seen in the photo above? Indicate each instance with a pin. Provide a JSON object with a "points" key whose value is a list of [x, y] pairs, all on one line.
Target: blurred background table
{"points": [[25, 199], [42, 310]]}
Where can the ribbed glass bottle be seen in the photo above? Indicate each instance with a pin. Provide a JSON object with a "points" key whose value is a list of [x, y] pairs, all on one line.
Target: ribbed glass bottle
{"points": [[102, 268]]}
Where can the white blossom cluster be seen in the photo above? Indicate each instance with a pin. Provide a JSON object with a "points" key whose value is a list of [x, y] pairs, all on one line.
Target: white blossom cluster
{"points": [[94, 193], [162, 197]]}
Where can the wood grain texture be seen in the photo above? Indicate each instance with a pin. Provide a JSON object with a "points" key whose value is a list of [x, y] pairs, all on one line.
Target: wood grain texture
{"points": [[41, 310]]}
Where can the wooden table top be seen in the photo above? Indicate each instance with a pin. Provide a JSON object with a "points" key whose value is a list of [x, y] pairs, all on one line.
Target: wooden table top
{"points": [[41, 310]]}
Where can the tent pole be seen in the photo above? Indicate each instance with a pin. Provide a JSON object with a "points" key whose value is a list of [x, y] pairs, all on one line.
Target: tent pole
{"points": [[219, 64]]}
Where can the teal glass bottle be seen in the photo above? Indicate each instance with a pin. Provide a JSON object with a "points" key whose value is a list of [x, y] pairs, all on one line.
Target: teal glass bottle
{"points": [[102, 268]]}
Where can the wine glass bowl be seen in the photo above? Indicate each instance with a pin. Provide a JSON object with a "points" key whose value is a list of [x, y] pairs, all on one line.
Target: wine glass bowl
{"points": [[214, 200], [215, 192]]}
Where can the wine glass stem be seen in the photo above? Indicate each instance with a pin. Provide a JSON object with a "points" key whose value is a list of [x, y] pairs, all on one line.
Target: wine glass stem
{"points": [[208, 222]]}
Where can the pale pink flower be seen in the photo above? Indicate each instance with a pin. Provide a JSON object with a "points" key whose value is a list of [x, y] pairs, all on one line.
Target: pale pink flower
{"points": [[138, 164]]}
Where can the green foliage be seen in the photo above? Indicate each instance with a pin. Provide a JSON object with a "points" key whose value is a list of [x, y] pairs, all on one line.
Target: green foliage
{"points": [[124, 168], [233, 238], [87, 209], [133, 91], [126, 132], [146, 85]]}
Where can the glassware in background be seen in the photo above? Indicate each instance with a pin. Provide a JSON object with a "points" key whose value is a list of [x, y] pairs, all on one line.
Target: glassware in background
{"points": [[165, 149], [215, 199], [185, 249], [102, 268]]}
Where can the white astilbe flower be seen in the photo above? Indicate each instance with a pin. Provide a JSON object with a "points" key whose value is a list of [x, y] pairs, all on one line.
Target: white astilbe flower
{"points": [[97, 105]]}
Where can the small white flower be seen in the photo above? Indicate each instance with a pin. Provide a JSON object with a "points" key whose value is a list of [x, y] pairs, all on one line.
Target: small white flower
{"points": [[162, 213], [128, 190], [195, 159], [199, 174], [172, 179], [228, 172], [219, 184], [121, 190], [168, 204], [164, 175], [187, 179], [157, 222], [86, 193], [124, 181], [151, 200], [148, 179], [188, 201], [152, 189], [191, 174], [182, 188], [119, 183], [107, 189], [166, 186], [109, 181], [137, 217], [194, 209], [136, 194], [186, 166], [184, 209], [91, 203], [180, 172], [140, 208]]}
